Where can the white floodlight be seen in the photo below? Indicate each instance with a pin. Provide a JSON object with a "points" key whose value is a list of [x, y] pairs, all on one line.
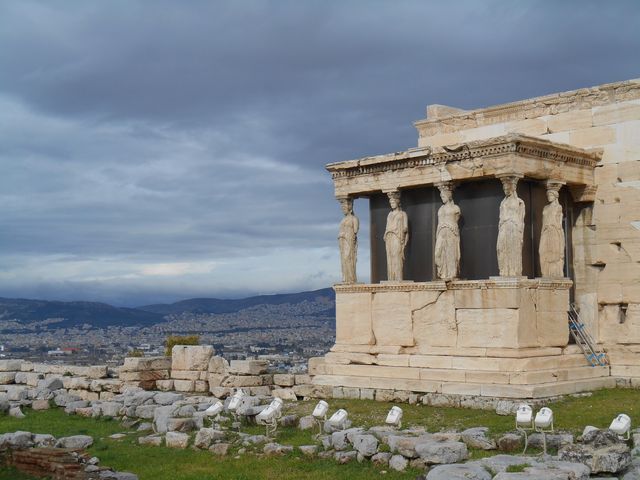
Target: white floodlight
{"points": [[524, 416], [544, 424], [320, 415], [394, 417], [270, 415], [544, 419], [321, 410], [621, 426], [339, 419], [235, 400], [524, 422], [214, 409]]}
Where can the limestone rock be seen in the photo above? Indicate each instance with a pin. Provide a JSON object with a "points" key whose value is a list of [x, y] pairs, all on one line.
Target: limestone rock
{"points": [[206, 436], [466, 471], [75, 442], [180, 424], [167, 398], [345, 457], [434, 452], [191, 357], [340, 440], [155, 440], [16, 412], [381, 459], [406, 445], [601, 451], [307, 422], [287, 394], [248, 367], [398, 463], [53, 383], [44, 440], [308, 450], [289, 421], [477, 438], [276, 449], [554, 440], [365, 444], [220, 449], [17, 439], [177, 439], [510, 442], [218, 365]]}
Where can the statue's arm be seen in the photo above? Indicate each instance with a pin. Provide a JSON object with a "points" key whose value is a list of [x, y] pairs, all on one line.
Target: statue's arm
{"points": [[356, 224]]}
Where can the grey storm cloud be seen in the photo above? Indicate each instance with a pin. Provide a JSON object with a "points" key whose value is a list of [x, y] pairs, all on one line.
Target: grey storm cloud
{"points": [[154, 150]]}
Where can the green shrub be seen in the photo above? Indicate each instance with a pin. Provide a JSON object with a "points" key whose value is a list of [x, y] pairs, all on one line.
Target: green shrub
{"points": [[135, 353], [173, 340]]}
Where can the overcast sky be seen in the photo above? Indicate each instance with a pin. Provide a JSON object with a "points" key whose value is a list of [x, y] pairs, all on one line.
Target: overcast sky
{"points": [[159, 150]]}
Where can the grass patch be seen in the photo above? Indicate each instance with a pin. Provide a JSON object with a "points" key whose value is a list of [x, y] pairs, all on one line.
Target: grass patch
{"points": [[571, 414], [517, 468], [161, 463], [13, 474]]}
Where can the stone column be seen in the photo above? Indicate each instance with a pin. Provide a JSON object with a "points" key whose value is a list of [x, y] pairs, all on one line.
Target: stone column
{"points": [[552, 240], [396, 236], [348, 240], [510, 229], [447, 249]]}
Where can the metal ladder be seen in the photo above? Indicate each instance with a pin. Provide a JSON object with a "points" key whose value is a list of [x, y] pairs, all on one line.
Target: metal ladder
{"points": [[583, 338]]}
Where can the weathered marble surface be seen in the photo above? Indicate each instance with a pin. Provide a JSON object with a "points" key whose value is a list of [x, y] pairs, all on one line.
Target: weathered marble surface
{"points": [[551, 249], [396, 236], [510, 230], [348, 241], [447, 250]]}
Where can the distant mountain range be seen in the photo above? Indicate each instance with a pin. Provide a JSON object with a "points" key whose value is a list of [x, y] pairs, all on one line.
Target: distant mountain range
{"points": [[216, 305], [74, 313], [102, 315]]}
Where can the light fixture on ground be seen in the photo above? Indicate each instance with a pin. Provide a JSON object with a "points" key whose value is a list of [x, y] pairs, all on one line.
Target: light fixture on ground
{"points": [[524, 422], [544, 425], [234, 403], [394, 417], [339, 419], [621, 426], [320, 414], [269, 416], [214, 410]]}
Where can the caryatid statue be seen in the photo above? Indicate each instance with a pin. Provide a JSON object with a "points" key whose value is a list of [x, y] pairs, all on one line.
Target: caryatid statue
{"points": [[348, 241], [396, 236], [552, 245], [510, 230], [447, 251]]}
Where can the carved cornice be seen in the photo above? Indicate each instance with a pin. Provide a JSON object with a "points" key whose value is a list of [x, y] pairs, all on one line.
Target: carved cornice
{"points": [[509, 144], [488, 284], [389, 287]]}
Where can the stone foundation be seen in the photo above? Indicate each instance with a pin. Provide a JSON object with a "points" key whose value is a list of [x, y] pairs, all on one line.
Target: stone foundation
{"points": [[499, 338]]}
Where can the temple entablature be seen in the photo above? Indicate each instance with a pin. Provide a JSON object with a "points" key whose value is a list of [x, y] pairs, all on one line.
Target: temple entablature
{"points": [[512, 154]]}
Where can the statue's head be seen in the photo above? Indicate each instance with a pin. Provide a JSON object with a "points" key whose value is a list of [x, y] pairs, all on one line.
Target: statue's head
{"points": [[509, 185], [552, 195], [446, 192], [347, 205], [394, 199]]}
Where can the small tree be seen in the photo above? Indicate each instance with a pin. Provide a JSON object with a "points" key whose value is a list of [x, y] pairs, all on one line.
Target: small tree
{"points": [[173, 340]]}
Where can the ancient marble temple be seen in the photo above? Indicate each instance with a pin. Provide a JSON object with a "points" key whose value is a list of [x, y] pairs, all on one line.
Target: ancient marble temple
{"points": [[481, 238]]}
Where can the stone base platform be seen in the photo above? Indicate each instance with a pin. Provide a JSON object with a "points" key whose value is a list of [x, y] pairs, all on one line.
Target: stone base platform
{"points": [[499, 375], [501, 338]]}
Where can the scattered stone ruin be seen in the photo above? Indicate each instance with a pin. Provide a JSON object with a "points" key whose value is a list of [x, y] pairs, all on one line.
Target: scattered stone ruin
{"points": [[482, 238]]}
